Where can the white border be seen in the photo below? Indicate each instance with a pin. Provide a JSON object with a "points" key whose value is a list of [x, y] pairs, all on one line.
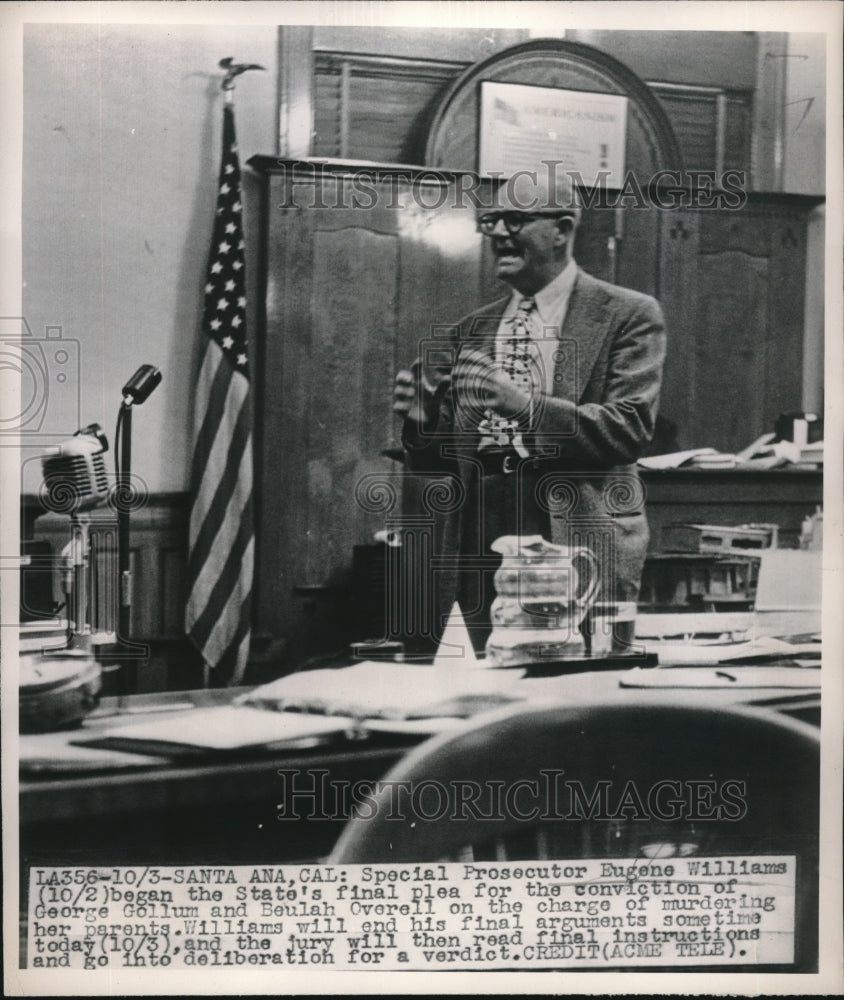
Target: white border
{"points": [[542, 18]]}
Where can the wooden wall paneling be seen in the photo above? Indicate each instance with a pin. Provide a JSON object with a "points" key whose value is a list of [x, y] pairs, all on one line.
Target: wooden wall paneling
{"points": [[813, 311], [732, 286], [350, 292], [591, 244], [744, 230], [419, 316], [289, 270], [159, 553], [354, 309], [157, 611], [638, 252], [678, 294], [731, 324], [171, 569], [142, 613], [350, 379], [427, 312], [147, 616], [783, 348], [441, 274]]}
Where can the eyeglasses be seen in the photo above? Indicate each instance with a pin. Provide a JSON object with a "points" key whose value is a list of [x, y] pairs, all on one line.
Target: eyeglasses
{"points": [[513, 221]]}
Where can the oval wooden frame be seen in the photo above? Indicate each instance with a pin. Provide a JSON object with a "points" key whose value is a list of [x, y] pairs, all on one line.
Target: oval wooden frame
{"points": [[457, 119]]}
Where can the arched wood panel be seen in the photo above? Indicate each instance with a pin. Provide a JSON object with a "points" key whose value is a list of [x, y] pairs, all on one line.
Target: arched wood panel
{"points": [[454, 137]]}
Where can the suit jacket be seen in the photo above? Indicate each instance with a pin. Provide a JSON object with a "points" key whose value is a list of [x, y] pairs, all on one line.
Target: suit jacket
{"points": [[588, 435]]}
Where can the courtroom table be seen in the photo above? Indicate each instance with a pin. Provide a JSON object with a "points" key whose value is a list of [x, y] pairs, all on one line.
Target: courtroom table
{"points": [[225, 812], [226, 809], [181, 811]]}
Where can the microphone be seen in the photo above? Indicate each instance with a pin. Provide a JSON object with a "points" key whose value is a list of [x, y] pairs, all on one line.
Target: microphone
{"points": [[141, 385], [75, 474]]}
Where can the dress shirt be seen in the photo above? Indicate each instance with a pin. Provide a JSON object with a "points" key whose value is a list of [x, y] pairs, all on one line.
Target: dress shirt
{"points": [[551, 305]]}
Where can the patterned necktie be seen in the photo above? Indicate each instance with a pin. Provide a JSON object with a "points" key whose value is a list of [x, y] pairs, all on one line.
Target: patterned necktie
{"points": [[514, 356], [516, 361]]}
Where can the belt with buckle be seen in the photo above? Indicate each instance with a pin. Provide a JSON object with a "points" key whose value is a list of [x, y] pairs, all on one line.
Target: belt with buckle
{"points": [[497, 462]]}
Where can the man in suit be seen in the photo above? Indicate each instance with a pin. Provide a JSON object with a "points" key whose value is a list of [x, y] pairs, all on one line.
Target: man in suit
{"points": [[537, 408]]}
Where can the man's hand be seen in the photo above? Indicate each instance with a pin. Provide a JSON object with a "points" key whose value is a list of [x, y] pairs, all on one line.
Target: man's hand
{"points": [[414, 398], [480, 384]]}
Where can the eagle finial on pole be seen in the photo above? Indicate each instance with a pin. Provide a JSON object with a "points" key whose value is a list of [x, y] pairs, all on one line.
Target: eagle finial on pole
{"points": [[233, 70]]}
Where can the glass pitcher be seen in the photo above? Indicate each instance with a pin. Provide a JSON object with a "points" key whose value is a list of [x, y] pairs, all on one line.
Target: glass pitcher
{"points": [[543, 592]]}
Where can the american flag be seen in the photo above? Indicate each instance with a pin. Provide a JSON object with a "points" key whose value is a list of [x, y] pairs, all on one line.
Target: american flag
{"points": [[222, 534]]}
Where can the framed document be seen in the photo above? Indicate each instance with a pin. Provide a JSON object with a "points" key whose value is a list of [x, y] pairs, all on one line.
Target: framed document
{"points": [[525, 125]]}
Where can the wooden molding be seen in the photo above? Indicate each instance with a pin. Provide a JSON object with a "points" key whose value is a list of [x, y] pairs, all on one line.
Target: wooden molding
{"points": [[295, 90], [769, 112]]}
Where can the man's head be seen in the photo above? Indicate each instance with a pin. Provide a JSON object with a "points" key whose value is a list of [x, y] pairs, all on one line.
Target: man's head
{"points": [[531, 224]]}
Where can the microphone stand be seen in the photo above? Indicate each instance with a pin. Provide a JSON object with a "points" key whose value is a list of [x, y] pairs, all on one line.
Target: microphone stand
{"points": [[79, 605], [129, 675], [136, 391]]}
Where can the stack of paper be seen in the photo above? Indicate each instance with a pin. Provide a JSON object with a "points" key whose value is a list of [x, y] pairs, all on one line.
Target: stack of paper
{"points": [[388, 691], [765, 649], [223, 729], [694, 457], [763, 453], [725, 677]]}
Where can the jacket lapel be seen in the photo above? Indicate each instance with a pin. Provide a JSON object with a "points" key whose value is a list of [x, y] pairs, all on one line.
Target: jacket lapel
{"points": [[584, 331]]}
